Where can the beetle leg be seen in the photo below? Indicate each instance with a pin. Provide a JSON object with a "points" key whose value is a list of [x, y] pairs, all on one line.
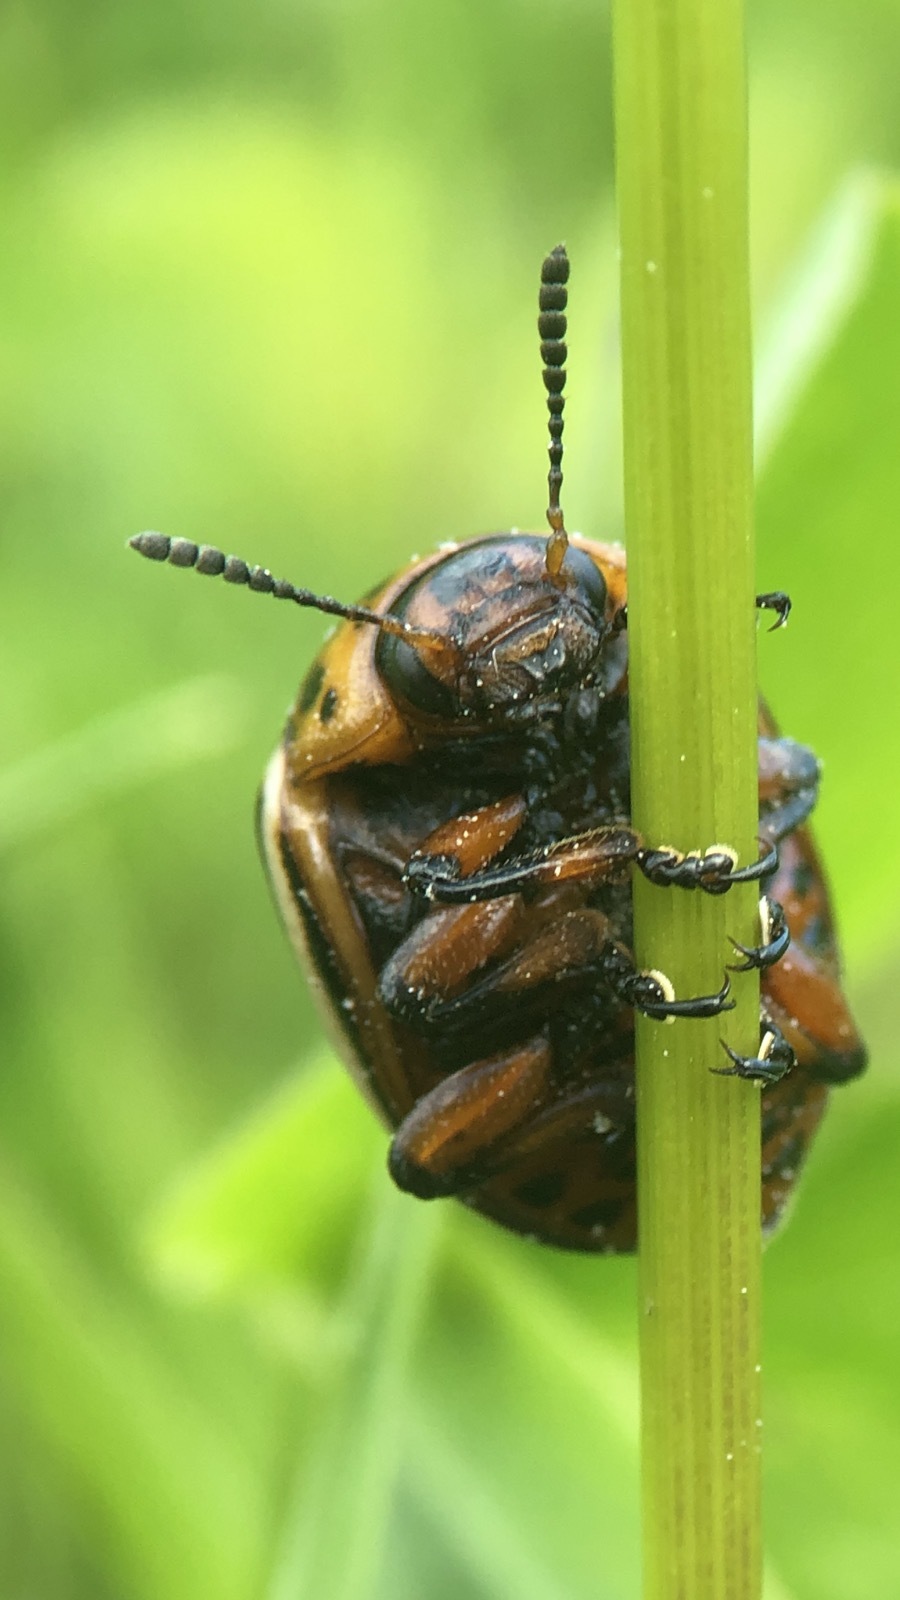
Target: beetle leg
{"points": [[450, 1129], [802, 993], [425, 981], [470, 841], [776, 600], [774, 1059], [599, 856], [565, 1169], [562, 952], [714, 870], [652, 994], [451, 867], [776, 936], [443, 954], [788, 786]]}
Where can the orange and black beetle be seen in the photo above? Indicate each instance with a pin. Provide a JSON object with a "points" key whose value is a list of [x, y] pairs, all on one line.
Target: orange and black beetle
{"points": [[446, 827]]}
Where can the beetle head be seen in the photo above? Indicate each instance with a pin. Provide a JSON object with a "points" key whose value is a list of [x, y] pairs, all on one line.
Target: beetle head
{"points": [[509, 642]]}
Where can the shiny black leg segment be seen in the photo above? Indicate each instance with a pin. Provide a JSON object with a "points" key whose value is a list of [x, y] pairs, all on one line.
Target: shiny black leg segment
{"points": [[775, 1058], [788, 786], [714, 872], [652, 994], [791, 813], [600, 855], [776, 938], [777, 601], [437, 878], [603, 855]]}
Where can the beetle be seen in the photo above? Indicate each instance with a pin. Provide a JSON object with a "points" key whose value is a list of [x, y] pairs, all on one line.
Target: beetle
{"points": [[445, 825]]}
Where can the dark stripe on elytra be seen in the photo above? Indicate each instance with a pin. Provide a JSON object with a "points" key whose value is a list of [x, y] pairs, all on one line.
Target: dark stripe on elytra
{"points": [[321, 953], [774, 1119], [802, 877], [788, 1159], [542, 1191], [599, 1214], [620, 1155], [817, 937]]}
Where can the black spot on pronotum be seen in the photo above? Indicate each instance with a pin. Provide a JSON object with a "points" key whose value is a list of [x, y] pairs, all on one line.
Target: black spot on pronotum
{"points": [[329, 705], [309, 689]]}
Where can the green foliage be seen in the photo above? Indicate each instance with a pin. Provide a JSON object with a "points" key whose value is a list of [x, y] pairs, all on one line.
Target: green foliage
{"points": [[269, 279]]}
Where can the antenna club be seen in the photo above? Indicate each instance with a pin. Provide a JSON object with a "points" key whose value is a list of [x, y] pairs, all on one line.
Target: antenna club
{"points": [[214, 563], [155, 546], [556, 266], [552, 325], [184, 553]]}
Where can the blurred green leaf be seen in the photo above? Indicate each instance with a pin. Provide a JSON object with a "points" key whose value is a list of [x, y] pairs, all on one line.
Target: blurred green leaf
{"points": [[832, 1421], [118, 752], [465, 1514], [270, 1217], [335, 1531], [817, 296], [173, 1494], [525, 1390]]}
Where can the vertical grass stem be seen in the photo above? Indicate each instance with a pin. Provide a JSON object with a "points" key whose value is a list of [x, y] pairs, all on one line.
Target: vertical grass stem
{"points": [[681, 129]]}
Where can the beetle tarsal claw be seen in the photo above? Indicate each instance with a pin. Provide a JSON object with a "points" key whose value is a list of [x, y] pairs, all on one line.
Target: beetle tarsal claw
{"points": [[773, 1059], [713, 870], [662, 1006], [775, 938]]}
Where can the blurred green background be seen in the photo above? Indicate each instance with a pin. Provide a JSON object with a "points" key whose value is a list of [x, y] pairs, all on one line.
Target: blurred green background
{"points": [[268, 279]]}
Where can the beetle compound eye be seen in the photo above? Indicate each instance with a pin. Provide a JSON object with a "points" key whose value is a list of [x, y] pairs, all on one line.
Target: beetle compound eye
{"points": [[586, 578], [407, 678]]}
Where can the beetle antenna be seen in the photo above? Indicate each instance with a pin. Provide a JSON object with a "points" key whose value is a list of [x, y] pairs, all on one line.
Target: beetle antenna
{"points": [[552, 302], [214, 563]]}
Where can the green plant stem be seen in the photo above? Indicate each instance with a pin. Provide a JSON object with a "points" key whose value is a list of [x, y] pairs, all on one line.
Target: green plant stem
{"points": [[681, 114]]}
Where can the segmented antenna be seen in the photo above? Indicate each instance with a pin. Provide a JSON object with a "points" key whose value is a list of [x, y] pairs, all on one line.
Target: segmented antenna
{"points": [[214, 563], [552, 302]]}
